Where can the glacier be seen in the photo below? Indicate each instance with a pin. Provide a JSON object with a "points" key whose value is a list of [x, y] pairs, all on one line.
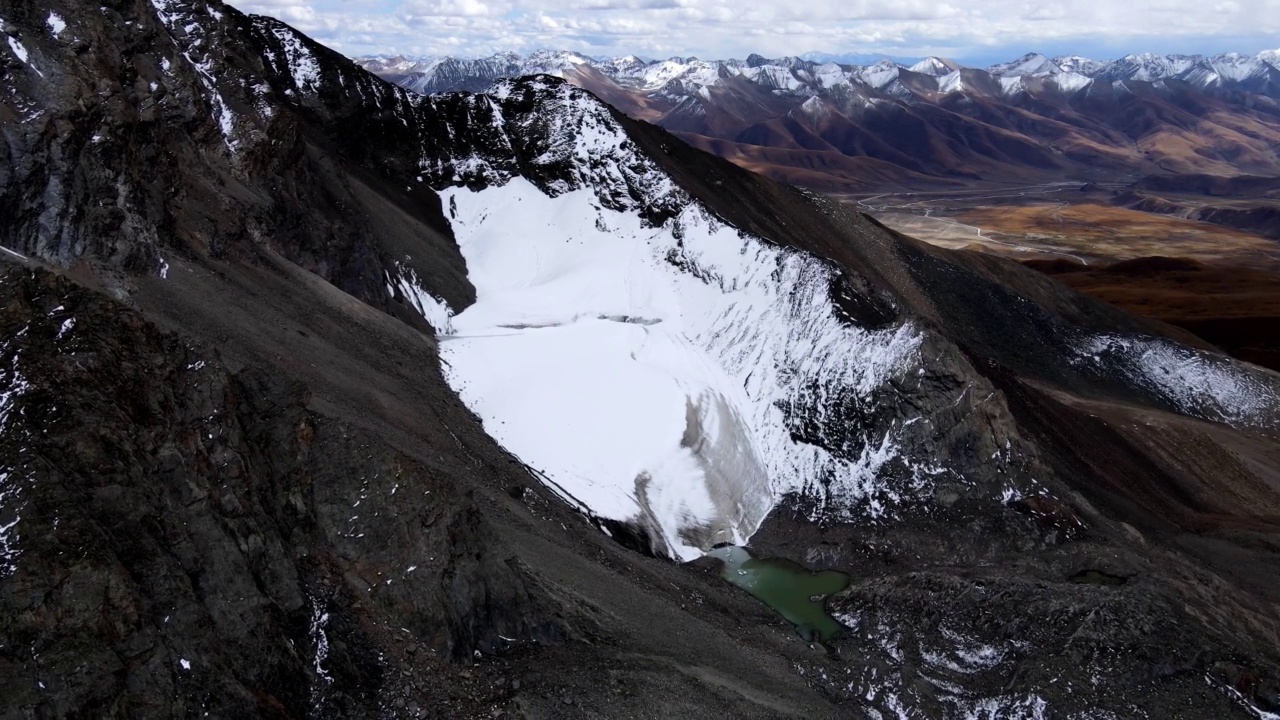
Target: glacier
{"points": [[648, 371], [656, 373], [656, 366]]}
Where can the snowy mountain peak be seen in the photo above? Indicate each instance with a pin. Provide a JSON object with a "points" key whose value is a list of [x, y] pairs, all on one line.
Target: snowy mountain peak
{"points": [[554, 59], [678, 79], [815, 108], [1079, 64], [880, 74], [934, 67], [1149, 67], [627, 66], [679, 76], [1029, 65]]}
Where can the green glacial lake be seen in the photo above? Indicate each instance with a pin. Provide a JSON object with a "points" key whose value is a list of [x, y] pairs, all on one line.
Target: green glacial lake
{"points": [[796, 593]]}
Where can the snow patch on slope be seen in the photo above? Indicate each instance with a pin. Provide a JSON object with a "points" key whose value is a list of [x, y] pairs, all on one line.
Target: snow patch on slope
{"points": [[20, 51], [191, 37], [302, 62], [56, 23], [1207, 386], [1070, 82], [12, 386], [951, 82], [18, 48], [435, 311], [1010, 86]]}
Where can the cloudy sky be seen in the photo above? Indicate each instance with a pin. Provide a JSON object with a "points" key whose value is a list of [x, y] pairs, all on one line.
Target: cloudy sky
{"points": [[975, 31]]}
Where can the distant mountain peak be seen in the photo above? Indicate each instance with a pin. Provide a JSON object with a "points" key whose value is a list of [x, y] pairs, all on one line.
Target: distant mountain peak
{"points": [[1030, 65], [935, 66], [817, 74]]}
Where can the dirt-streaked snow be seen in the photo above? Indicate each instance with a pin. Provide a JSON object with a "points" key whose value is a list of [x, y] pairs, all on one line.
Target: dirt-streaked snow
{"points": [[432, 309]]}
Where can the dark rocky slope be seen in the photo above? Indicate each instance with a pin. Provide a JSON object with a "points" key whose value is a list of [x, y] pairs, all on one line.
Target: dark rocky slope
{"points": [[234, 460], [1180, 504], [292, 452], [194, 539]]}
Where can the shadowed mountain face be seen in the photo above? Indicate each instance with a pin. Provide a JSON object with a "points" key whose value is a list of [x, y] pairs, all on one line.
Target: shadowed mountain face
{"points": [[852, 128], [257, 456]]}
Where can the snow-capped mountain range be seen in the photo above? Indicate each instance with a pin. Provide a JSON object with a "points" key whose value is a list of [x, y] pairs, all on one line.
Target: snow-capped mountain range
{"points": [[857, 128], [681, 76]]}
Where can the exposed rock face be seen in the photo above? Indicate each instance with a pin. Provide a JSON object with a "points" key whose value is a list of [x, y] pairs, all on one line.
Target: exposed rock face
{"points": [[185, 539], [1109, 456], [241, 484], [211, 136]]}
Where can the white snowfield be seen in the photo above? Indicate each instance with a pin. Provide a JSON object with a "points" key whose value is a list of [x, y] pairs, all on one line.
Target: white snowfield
{"points": [[646, 374], [654, 375], [576, 356]]}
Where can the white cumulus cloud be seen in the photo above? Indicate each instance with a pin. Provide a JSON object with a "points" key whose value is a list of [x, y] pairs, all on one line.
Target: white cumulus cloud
{"points": [[731, 28]]}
